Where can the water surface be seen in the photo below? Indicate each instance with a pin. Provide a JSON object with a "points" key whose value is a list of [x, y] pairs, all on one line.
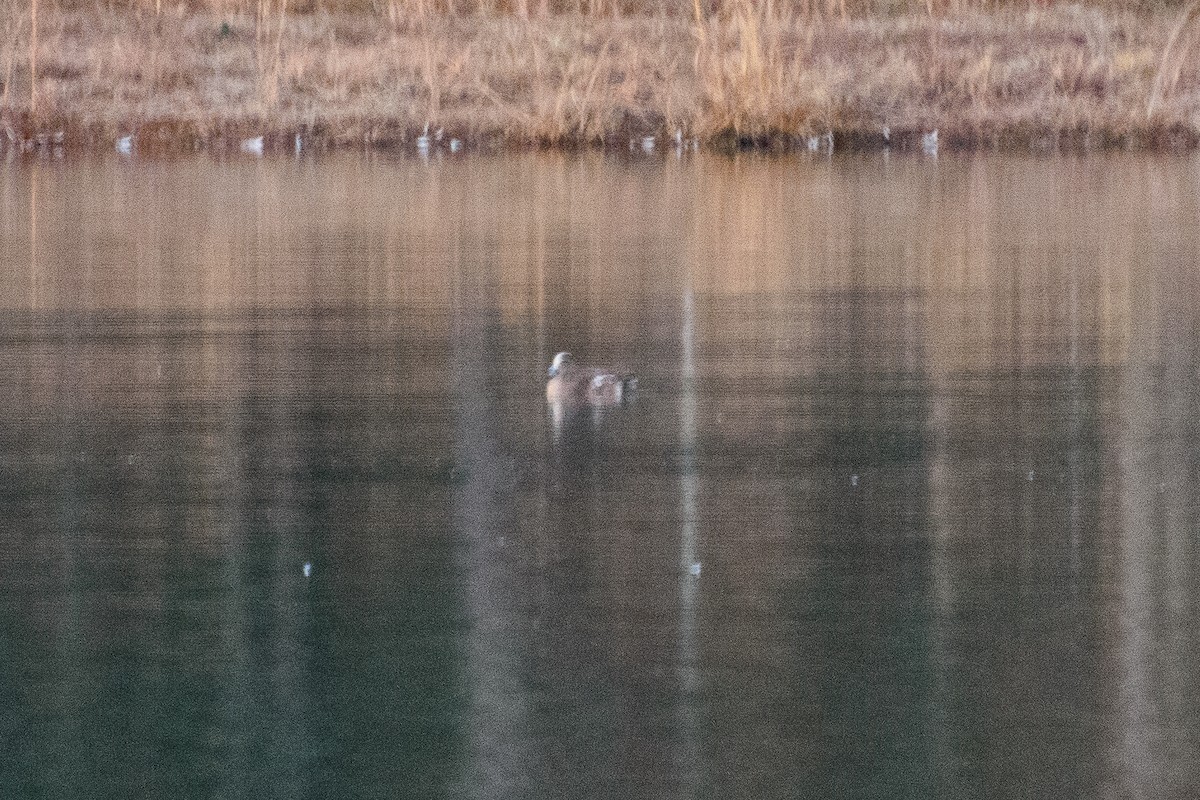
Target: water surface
{"points": [[905, 506]]}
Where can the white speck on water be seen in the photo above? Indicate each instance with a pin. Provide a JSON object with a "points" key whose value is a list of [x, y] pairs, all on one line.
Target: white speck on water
{"points": [[1029, 477], [854, 480], [694, 569], [129, 459], [125, 145], [307, 569]]}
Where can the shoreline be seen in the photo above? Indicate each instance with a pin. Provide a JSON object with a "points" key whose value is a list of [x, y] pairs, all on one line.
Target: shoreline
{"points": [[1047, 78]]}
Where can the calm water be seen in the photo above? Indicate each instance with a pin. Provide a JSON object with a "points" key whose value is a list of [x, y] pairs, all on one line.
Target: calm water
{"points": [[906, 506]]}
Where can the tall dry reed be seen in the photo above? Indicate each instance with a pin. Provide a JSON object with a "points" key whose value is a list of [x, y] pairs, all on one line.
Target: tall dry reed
{"points": [[33, 56], [270, 20], [1180, 45], [14, 23]]}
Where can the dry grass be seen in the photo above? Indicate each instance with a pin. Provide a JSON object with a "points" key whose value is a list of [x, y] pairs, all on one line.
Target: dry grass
{"points": [[766, 74], [396, 11], [1175, 56]]}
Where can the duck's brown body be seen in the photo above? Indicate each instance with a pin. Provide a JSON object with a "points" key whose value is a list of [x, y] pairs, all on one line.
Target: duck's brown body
{"points": [[570, 384]]}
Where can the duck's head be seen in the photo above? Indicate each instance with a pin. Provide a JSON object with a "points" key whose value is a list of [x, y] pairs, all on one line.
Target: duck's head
{"points": [[560, 361]]}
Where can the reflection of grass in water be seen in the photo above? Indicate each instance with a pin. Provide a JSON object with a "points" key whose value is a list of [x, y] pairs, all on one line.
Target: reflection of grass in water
{"points": [[740, 73]]}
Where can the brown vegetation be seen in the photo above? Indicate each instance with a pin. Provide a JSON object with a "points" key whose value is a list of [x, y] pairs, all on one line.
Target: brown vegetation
{"points": [[597, 72]]}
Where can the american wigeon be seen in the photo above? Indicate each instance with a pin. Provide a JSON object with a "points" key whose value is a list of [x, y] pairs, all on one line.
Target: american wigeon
{"points": [[570, 383]]}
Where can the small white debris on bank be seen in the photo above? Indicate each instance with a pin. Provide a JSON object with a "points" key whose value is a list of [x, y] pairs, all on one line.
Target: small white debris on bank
{"points": [[929, 143]]}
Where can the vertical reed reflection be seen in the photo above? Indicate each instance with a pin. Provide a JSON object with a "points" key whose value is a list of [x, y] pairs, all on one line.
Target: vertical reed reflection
{"points": [[691, 568], [33, 237], [498, 657], [1156, 560]]}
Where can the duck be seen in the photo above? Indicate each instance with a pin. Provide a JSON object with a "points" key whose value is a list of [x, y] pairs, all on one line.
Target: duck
{"points": [[571, 384]]}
